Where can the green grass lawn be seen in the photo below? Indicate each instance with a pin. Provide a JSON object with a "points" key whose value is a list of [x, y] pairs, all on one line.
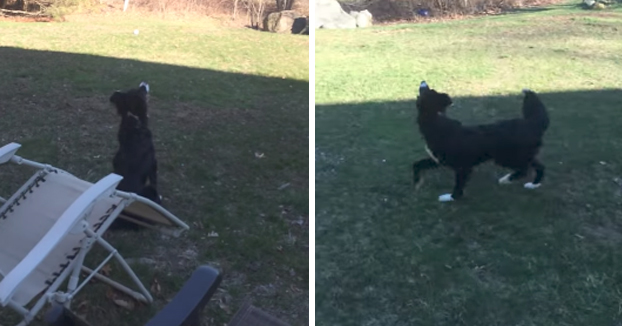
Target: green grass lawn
{"points": [[389, 255], [229, 114]]}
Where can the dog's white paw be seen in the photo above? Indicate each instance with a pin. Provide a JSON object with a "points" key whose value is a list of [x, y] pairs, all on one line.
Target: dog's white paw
{"points": [[505, 179], [530, 185], [445, 198], [146, 86]]}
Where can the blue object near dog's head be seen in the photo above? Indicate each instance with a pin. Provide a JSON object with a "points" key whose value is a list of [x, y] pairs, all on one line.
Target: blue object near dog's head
{"points": [[430, 101], [423, 87]]}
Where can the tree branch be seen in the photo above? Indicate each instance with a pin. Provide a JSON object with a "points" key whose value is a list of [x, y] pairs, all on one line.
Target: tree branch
{"points": [[8, 12]]}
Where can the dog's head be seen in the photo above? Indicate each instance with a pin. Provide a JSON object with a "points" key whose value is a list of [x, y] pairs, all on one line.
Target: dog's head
{"points": [[529, 95], [132, 103], [431, 102]]}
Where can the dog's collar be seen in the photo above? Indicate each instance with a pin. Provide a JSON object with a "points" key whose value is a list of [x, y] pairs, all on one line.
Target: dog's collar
{"points": [[130, 114], [427, 149]]}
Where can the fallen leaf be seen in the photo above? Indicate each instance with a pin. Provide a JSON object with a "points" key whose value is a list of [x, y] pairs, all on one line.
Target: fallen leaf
{"points": [[212, 234], [82, 305], [127, 304], [110, 294], [223, 306], [105, 270], [155, 287], [198, 225], [259, 155]]}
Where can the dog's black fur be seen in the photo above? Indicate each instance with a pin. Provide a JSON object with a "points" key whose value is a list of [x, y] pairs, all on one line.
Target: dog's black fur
{"points": [[135, 159], [512, 144]]}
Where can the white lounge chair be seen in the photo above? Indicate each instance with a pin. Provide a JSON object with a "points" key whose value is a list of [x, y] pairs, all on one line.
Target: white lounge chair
{"points": [[48, 227]]}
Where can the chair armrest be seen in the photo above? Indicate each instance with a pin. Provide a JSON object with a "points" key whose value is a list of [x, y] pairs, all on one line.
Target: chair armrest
{"points": [[7, 151], [187, 305], [65, 224]]}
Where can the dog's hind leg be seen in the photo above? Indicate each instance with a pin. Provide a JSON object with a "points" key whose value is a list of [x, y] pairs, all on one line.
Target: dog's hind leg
{"points": [[508, 178], [422, 165], [537, 181], [462, 176]]}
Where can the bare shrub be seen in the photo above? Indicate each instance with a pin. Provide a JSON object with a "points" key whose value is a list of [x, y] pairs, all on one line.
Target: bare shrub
{"points": [[389, 10], [205, 7], [255, 10]]}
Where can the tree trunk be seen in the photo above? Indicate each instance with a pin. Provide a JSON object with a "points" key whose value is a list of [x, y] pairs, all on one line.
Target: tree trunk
{"points": [[235, 8]]}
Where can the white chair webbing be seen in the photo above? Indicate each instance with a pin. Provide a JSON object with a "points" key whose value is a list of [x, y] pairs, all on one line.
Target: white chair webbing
{"points": [[29, 217]]}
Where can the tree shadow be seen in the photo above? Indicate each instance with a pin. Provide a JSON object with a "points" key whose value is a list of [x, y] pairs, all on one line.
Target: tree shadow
{"points": [[226, 144], [371, 219], [582, 127]]}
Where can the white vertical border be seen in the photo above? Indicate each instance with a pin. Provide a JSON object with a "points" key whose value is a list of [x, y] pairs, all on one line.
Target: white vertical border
{"points": [[311, 162]]}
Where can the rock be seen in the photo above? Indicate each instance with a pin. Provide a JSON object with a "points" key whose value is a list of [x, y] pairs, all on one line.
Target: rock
{"points": [[363, 18], [330, 15], [280, 22]]}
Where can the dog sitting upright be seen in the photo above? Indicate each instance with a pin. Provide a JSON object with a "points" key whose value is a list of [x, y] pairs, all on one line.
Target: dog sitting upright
{"points": [[511, 143], [135, 159]]}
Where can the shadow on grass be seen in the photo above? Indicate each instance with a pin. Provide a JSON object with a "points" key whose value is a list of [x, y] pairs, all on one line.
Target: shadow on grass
{"points": [[233, 163], [387, 254]]}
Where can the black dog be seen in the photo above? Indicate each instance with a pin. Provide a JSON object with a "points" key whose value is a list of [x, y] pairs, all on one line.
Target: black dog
{"points": [[513, 144], [135, 160]]}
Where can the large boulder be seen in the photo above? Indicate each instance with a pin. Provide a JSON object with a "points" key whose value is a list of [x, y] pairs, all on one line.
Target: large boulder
{"points": [[280, 22], [329, 14], [363, 18]]}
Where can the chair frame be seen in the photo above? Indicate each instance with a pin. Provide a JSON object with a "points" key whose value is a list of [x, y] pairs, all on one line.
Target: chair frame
{"points": [[73, 221]]}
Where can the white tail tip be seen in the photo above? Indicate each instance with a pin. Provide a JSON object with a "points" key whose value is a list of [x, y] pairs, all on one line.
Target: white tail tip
{"points": [[146, 86], [526, 90], [505, 179], [423, 84]]}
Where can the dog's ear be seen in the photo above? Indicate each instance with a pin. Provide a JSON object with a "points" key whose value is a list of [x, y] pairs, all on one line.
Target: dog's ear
{"points": [[423, 87], [115, 97], [444, 101]]}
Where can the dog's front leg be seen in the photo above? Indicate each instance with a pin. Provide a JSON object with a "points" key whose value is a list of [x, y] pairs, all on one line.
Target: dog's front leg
{"points": [[539, 167], [153, 174], [462, 176], [422, 165]]}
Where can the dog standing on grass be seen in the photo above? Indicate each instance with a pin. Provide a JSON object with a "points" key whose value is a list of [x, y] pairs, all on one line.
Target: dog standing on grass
{"points": [[135, 159], [512, 144]]}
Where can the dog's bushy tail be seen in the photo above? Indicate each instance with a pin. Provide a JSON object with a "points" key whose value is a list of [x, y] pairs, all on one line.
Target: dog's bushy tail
{"points": [[535, 111]]}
